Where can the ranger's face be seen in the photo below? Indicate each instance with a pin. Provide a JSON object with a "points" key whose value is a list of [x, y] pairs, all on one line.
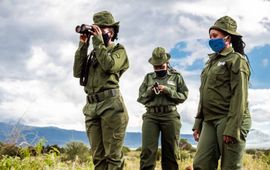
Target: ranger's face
{"points": [[216, 34], [161, 67], [107, 30]]}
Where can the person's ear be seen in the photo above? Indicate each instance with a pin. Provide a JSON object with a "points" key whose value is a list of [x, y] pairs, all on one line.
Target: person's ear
{"points": [[228, 39]]}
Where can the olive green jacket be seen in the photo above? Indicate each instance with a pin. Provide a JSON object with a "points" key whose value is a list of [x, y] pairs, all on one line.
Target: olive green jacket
{"points": [[224, 92], [105, 71], [175, 91]]}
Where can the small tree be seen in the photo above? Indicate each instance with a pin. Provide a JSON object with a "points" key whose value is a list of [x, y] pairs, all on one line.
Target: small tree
{"points": [[125, 150], [184, 145], [76, 149]]}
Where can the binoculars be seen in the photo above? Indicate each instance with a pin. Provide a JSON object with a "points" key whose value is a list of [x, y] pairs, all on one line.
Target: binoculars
{"points": [[84, 29]]}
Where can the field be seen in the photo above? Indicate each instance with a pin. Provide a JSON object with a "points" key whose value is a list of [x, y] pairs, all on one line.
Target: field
{"points": [[76, 156]]}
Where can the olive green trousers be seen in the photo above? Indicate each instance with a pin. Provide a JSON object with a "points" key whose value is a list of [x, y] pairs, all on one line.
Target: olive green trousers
{"points": [[106, 123], [168, 125], [211, 147]]}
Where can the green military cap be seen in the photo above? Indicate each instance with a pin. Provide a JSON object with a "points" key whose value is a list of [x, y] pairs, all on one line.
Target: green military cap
{"points": [[105, 18], [226, 24], [159, 56]]}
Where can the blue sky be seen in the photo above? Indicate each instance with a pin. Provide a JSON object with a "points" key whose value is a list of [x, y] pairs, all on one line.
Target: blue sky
{"points": [[260, 63], [259, 58], [38, 42]]}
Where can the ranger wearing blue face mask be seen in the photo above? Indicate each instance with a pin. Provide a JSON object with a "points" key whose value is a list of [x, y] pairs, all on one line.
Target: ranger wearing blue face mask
{"points": [[223, 119]]}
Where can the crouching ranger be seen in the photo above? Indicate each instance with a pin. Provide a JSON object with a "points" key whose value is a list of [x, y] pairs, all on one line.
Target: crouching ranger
{"points": [[106, 116], [160, 92]]}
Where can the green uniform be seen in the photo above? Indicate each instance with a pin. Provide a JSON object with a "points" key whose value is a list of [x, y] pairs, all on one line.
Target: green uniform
{"points": [[161, 117], [106, 116], [223, 110]]}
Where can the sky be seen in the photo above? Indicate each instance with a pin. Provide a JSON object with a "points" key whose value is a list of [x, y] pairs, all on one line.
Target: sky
{"points": [[38, 43]]}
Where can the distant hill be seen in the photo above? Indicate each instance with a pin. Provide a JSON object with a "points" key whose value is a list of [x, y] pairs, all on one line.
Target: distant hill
{"points": [[258, 139], [54, 135]]}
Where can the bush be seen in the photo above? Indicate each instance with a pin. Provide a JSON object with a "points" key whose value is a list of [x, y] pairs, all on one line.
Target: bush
{"points": [[184, 145], [251, 151], [74, 150], [184, 155], [9, 150], [53, 149], [139, 149], [125, 150]]}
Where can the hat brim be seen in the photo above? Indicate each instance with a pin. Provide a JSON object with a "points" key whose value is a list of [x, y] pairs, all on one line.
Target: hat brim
{"points": [[116, 24], [230, 32], [157, 63]]}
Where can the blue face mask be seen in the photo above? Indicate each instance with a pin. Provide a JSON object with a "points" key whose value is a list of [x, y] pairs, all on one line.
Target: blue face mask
{"points": [[217, 44]]}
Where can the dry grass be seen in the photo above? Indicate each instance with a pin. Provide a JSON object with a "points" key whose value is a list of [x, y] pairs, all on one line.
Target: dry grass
{"points": [[133, 162], [51, 161], [249, 161]]}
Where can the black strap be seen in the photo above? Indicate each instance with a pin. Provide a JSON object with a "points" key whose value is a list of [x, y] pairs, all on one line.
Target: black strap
{"points": [[85, 68]]}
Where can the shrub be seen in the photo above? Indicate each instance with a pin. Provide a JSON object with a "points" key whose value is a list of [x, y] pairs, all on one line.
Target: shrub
{"points": [[53, 149], [184, 155], [125, 150], [184, 145], [72, 150], [9, 150], [139, 149]]}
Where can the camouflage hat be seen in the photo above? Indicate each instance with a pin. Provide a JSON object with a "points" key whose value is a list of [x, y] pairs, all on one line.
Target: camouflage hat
{"points": [[105, 18], [159, 56], [226, 24]]}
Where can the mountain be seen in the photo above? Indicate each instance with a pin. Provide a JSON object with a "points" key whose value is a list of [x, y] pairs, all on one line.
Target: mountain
{"points": [[54, 135], [258, 139], [31, 134]]}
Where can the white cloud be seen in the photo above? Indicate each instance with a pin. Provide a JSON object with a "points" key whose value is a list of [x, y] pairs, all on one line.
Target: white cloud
{"points": [[259, 104], [51, 96]]}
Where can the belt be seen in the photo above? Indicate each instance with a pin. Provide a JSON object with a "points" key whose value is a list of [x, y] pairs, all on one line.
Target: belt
{"points": [[98, 97], [161, 109]]}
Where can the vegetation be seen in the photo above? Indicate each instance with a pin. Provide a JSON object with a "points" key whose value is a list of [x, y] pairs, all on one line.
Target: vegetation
{"points": [[76, 155]]}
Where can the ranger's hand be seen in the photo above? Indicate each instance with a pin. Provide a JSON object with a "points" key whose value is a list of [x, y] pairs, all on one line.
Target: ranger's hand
{"points": [[96, 30], [161, 87], [229, 139], [196, 135], [83, 38]]}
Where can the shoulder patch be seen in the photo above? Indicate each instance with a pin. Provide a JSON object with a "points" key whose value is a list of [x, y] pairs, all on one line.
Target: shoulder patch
{"points": [[170, 82]]}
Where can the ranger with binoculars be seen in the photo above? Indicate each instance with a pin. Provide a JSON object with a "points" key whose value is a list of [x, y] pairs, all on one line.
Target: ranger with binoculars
{"points": [[105, 113]]}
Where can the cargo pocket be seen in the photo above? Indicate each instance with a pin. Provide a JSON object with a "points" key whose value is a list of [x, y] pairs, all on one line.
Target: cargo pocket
{"points": [[119, 125], [116, 116], [113, 104], [89, 109]]}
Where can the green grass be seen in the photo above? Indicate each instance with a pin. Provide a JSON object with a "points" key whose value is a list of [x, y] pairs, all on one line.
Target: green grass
{"points": [[55, 162], [76, 156]]}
